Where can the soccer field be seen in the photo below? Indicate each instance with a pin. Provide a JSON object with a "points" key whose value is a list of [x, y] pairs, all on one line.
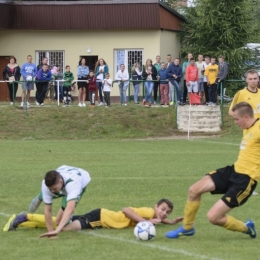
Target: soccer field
{"points": [[124, 173]]}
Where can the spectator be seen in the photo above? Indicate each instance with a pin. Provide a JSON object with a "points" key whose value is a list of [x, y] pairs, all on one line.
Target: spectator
{"points": [[100, 70], [44, 61], [149, 75], [12, 73], [201, 68], [211, 73], [68, 77], [122, 76], [156, 83], [92, 87], [184, 66], [164, 86], [28, 72], [192, 78], [51, 88], [59, 76], [175, 75], [136, 76], [107, 83], [206, 88], [83, 72], [43, 77], [171, 87], [222, 72]]}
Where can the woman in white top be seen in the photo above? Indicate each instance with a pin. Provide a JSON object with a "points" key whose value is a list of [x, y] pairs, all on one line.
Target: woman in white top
{"points": [[100, 71], [136, 76]]}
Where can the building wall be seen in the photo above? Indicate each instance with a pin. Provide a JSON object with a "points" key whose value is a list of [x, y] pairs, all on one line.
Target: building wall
{"points": [[76, 43]]}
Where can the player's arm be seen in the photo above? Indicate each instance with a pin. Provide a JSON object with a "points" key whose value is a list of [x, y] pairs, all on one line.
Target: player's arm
{"points": [[132, 215], [172, 222], [48, 217]]}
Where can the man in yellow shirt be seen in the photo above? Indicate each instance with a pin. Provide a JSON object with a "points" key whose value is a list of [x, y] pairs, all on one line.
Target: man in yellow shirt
{"points": [[211, 73], [250, 94], [101, 218], [236, 182]]}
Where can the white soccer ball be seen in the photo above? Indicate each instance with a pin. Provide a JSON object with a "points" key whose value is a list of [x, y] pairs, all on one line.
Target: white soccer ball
{"points": [[145, 230], [29, 78]]}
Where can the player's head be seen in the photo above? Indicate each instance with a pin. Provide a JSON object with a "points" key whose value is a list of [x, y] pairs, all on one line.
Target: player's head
{"points": [[243, 115], [163, 208], [252, 79], [53, 181]]}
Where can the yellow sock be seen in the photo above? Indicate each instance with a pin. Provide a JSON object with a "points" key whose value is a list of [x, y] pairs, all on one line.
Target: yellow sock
{"points": [[36, 221], [235, 225], [190, 211]]}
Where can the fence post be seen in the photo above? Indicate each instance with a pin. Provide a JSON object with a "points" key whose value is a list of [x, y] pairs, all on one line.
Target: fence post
{"points": [[221, 103]]}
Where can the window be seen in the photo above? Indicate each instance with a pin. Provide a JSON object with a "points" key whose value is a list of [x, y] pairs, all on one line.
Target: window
{"points": [[127, 57], [55, 58]]}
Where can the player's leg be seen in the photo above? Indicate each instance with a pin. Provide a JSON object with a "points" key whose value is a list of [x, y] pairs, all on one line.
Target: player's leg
{"points": [[35, 203], [192, 205]]}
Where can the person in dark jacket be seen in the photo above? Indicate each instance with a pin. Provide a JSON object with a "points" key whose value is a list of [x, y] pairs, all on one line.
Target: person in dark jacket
{"points": [[92, 87], [43, 77], [222, 71], [175, 75], [149, 75], [12, 73]]}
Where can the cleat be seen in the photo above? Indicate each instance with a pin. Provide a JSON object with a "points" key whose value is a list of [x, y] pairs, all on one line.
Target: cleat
{"points": [[14, 221], [251, 228], [9, 225], [35, 203], [180, 232]]}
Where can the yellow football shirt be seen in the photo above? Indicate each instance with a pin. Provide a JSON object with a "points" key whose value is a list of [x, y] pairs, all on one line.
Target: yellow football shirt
{"points": [[211, 72], [252, 98], [112, 219], [248, 161]]}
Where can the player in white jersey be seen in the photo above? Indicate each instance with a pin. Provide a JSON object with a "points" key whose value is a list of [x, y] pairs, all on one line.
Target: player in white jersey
{"points": [[67, 182]]}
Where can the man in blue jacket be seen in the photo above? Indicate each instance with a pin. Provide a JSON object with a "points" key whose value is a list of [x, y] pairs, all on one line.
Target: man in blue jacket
{"points": [[175, 75], [43, 77]]}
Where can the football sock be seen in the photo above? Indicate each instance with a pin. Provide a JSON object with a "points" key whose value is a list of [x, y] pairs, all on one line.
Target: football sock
{"points": [[190, 211], [36, 220], [40, 196], [235, 225]]}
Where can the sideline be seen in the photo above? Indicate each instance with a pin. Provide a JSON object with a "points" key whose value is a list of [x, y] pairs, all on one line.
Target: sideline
{"points": [[150, 245]]}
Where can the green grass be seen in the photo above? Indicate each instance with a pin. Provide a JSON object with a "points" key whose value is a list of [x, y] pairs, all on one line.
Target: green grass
{"points": [[124, 173]]}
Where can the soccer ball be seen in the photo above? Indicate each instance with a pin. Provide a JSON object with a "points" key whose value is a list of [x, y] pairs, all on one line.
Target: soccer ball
{"points": [[29, 78], [145, 230]]}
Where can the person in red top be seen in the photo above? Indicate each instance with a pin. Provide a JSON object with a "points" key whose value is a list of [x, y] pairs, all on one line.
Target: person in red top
{"points": [[192, 77], [92, 87]]}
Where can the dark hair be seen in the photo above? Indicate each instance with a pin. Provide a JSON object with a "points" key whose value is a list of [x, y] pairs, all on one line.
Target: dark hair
{"points": [[67, 66], [80, 61], [91, 71], [192, 59], [51, 178], [213, 58], [221, 56], [12, 57], [168, 202], [243, 109], [206, 57]]}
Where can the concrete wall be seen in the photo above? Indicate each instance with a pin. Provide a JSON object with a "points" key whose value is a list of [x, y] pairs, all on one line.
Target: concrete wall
{"points": [[75, 43]]}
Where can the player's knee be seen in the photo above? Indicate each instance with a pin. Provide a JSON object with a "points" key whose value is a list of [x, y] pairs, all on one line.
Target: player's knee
{"points": [[193, 192], [212, 218]]}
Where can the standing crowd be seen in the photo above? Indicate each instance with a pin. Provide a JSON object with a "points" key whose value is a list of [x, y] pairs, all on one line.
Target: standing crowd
{"points": [[201, 77]]}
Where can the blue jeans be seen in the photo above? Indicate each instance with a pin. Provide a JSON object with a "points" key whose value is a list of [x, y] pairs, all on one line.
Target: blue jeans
{"points": [[148, 88], [99, 85], [122, 91], [177, 86], [136, 92]]}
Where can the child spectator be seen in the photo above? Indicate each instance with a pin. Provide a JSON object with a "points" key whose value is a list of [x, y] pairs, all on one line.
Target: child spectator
{"points": [[92, 87], [107, 83], [164, 84], [59, 76], [68, 77]]}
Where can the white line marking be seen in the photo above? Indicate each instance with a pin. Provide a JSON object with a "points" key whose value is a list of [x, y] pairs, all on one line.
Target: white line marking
{"points": [[214, 142], [4, 214], [147, 244]]}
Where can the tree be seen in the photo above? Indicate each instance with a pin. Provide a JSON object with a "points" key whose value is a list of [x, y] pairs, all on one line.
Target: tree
{"points": [[220, 27]]}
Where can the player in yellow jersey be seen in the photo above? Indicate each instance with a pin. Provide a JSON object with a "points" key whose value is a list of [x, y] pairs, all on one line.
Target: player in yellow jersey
{"points": [[101, 218], [236, 182], [250, 94]]}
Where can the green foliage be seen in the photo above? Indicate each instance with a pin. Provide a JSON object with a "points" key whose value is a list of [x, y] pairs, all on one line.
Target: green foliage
{"points": [[220, 28]]}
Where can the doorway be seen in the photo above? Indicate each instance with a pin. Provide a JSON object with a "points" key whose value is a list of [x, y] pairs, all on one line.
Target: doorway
{"points": [[91, 63], [4, 92]]}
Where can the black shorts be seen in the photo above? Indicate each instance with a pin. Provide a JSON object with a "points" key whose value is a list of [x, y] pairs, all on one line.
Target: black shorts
{"points": [[237, 187], [82, 84], [90, 220]]}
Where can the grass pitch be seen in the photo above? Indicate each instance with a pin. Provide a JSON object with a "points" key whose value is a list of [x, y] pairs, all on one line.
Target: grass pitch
{"points": [[124, 173]]}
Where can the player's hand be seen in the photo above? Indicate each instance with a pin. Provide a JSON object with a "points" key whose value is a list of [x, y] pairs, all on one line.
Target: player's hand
{"points": [[155, 220], [49, 234], [177, 220]]}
